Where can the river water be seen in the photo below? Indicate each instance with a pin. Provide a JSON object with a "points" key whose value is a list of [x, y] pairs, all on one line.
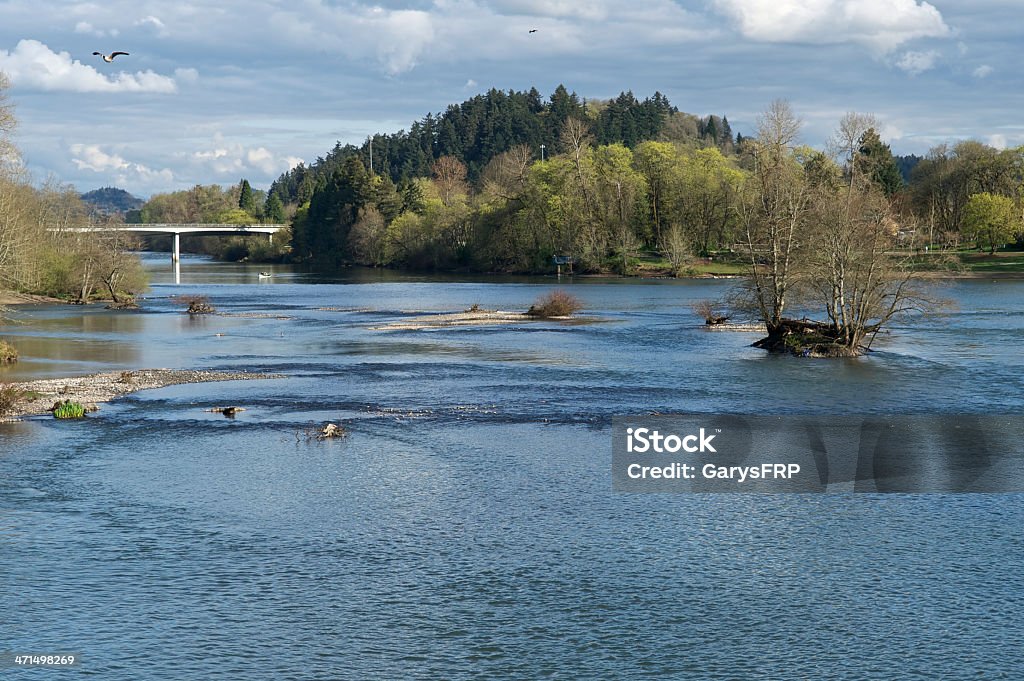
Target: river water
{"points": [[467, 527]]}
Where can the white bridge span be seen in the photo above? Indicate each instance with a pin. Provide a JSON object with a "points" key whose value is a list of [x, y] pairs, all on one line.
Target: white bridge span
{"points": [[192, 229]]}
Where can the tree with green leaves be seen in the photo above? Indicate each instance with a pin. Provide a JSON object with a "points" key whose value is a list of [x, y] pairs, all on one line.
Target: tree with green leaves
{"points": [[620, 192], [273, 210], [990, 220], [708, 186], [657, 161], [334, 207]]}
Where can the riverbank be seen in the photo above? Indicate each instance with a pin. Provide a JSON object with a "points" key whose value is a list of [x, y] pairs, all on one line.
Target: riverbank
{"points": [[16, 298], [96, 389]]}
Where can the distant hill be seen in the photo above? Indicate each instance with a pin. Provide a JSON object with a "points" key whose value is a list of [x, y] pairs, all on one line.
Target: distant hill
{"points": [[111, 201], [906, 164]]}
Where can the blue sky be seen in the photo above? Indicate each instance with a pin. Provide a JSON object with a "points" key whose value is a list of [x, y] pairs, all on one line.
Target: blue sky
{"points": [[212, 93]]}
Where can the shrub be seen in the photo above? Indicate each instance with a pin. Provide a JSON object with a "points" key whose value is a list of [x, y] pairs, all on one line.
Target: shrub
{"points": [[68, 410], [8, 353], [555, 303], [194, 304], [706, 309], [10, 396]]}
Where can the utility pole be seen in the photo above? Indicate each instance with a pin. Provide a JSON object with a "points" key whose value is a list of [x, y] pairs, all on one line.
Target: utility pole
{"points": [[542, 147], [369, 141]]}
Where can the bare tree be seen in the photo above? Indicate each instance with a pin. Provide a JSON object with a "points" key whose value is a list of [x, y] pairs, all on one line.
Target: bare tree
{"points": [[506, 175], [576, 141], [450, 175], [773, 215], [8, 152], [675, 244], [367, 239], [117, 268], [854, 273]]}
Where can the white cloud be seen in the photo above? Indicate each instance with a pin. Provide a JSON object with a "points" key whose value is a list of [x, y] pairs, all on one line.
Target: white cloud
{"points": [[470, 84], [186, 75], [882, 25], [235, 159], [595, 10], [983, 71], [154, 24], [84, 27], [89, 30], [915, 63], [891, 132], [398, 38], [31, 64], [92, 157], [409, 33]]}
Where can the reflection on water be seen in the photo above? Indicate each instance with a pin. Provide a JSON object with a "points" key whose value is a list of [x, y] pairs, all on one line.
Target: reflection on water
{"points": [[467, 528]]}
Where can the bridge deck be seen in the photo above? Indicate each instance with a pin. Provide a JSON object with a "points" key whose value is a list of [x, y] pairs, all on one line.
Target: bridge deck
{"points": [[177, 229]]}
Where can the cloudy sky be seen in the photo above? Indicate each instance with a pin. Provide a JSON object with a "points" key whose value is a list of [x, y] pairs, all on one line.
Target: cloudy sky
{"points": [[215, 92]]}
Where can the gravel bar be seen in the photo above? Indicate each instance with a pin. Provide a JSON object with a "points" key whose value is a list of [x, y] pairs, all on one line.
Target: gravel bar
{"points": [[98, 388]]}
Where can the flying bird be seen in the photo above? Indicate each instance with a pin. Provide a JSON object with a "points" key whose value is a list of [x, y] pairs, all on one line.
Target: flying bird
{"points": [[109, 58], [533, 30]]}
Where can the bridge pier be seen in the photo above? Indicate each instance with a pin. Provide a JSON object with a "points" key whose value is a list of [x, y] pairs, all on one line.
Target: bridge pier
{"points": [[176, 253]]}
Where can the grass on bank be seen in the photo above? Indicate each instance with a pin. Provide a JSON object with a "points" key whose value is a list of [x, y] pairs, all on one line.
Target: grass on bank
{"points": [[8, 353], [1012, 261], [968, 261], [10, 397]]}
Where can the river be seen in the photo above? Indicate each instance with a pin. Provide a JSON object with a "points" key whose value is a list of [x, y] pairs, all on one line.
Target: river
{"points": [[467, 528]]}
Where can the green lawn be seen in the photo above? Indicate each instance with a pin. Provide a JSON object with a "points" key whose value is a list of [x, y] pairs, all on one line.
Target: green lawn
{"points": [[1012, 261], [969, 260]]}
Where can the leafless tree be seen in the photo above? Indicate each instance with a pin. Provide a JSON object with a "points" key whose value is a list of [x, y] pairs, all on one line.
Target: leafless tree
{"points": [[507, 174], [773, 213], [450, 175]]}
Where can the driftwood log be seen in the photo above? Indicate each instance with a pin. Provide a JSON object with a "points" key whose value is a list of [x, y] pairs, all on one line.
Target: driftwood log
{"points": [[227, 411], [331, 430]]}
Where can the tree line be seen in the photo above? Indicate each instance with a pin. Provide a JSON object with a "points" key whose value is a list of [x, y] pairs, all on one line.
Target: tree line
{"points": [[35, 255], [490, 124], [505, 181], [213, 204]]}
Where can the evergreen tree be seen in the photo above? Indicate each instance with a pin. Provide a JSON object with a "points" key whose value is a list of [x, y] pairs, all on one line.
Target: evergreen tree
{"points": [[246, 201], [875, 160], [273, 209], [333, 209], [412, 197]]}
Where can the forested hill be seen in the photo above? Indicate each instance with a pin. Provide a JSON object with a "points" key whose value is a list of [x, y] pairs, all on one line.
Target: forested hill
{"points": [[111, 200], [487, 125]]}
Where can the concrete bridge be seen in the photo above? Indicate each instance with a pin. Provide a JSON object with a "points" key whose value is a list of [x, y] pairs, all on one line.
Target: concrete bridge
{"points": [[192, 229]]}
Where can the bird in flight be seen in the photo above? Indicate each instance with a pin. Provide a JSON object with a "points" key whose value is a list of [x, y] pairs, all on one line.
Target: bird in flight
{"points": [[109, 58], [533, 30]]}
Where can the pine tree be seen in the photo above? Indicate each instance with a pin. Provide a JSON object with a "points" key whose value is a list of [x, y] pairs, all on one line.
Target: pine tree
{"points": [[875, 160], [273, 209], [246, 201]]}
